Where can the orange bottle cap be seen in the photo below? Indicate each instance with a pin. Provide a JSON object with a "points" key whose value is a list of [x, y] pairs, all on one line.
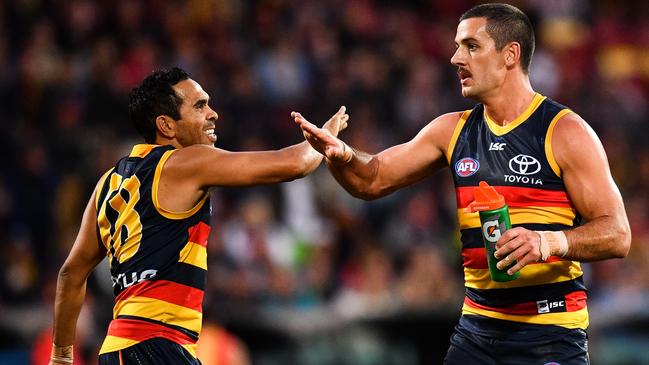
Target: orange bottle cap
{"points": [[486, 198]]}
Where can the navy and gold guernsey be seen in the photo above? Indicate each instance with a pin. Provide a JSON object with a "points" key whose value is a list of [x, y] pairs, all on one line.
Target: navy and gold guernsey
{"points": [[518, 161], [158, 259]]}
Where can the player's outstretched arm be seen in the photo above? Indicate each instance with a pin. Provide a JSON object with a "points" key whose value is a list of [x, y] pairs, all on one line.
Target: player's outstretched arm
{"points": [[369, 176], [86, 253], [586, 174], [205, 166]]}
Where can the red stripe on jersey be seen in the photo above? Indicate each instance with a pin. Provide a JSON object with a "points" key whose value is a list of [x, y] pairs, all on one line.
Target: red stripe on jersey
{"points": [[576, 301], [476, 258], [199, 233], [518, 197], [521, 308], [573, 302], [133, 329], [168, 291]]}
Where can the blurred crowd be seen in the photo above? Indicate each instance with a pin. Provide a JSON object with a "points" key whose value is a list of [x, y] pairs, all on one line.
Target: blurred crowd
{"points": [[304, 248]]}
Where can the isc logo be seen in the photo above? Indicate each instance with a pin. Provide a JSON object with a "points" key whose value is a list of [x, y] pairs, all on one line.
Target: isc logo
{"points": [[466, 167]]}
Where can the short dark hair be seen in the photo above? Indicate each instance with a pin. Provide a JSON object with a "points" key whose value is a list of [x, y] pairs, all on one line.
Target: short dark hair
{"points": [[154, 97], [506, 23]]}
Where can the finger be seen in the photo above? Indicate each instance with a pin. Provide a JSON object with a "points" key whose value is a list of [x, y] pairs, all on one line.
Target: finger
{"points": [[519, 265], [511, 257], [508, 247], [507, 236], [307, 126]]}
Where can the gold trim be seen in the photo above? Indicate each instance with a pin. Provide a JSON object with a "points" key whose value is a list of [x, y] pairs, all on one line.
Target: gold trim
{"points": [[522, 215], [141, 150], [100, 186], [501, 130], [154, 193], [194, 254], [572, 320], [159, 310], [456, 133], [549, 154], [535, 274]]}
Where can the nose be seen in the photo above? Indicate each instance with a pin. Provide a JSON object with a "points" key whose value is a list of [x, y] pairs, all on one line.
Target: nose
{"points": [[457, 59], [212, 115]]}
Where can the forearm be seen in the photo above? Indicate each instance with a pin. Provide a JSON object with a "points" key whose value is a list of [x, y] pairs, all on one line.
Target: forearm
{"points": [[357, 174], [301, 160], [601, 238], [70, 294]]}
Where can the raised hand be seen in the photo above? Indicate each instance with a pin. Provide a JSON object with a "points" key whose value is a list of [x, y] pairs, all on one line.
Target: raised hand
{"points": [[324, 139]]}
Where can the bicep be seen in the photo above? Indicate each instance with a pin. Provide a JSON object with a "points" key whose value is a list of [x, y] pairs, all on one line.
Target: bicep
{"points": [[208, 166], [86, 251], [410, 162], [585, 169]]}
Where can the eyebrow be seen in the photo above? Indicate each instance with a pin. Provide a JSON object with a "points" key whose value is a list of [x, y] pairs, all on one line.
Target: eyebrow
{"points": [[200, 102], [467, 40]]}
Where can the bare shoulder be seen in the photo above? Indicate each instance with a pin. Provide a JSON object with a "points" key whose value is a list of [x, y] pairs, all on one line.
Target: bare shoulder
{"points": [[441, 128], [574, 140], [187, 159]]}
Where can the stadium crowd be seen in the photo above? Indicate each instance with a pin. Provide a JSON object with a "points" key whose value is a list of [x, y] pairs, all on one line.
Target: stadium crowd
{"points": [[304, 250]]}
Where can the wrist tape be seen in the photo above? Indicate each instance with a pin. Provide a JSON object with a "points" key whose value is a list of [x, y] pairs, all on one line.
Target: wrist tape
{"points": [[553, 243]]}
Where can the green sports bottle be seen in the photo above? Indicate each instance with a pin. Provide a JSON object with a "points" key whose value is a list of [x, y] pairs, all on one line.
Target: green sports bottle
{"points": [[494, 220]]}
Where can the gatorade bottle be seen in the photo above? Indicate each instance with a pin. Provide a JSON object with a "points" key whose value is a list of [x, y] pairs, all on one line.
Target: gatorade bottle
{"points": [[494, 220]]}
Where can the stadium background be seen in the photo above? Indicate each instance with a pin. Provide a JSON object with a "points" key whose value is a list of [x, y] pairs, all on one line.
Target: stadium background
{"points": [[300, 273]]}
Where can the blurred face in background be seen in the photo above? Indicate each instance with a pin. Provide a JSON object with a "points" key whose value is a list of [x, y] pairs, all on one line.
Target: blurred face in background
{"points": [[197, 120], [481, 68]]}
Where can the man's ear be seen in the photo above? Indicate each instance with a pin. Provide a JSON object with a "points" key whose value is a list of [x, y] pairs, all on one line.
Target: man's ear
{"points": [[166, 126], [512, 54]]}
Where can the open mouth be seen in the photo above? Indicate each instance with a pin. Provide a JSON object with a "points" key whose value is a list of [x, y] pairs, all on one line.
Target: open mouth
{"points": [[464, 74], [210, 134]]}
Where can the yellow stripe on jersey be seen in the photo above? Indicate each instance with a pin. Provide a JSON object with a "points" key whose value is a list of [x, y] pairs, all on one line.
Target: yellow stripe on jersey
{"points": [[499, 130], [191, 348], [114, 343], [572, 320], [549, 154], [154, 193], [161, 311], [538, 215], [536, 274], [141, 150], [194, 254], [100, 186], [456, 133]]}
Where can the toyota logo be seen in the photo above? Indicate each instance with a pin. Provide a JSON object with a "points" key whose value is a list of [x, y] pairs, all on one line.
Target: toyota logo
{"points": [[524, 165]]}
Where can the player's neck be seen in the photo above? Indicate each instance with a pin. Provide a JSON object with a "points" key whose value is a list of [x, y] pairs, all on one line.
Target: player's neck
{"points": [[510, 100]]}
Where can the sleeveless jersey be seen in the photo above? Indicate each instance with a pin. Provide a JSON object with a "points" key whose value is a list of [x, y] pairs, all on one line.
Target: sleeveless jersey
{"points": [[518, 161], [158, 259]]}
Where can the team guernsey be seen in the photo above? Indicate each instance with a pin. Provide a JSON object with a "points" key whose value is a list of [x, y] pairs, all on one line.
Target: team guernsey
{"points": [[158, 259], [518, 161]]}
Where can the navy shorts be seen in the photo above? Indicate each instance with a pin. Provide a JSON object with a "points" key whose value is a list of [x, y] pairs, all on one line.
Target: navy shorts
{"points": [[479, 340], [154, 351]]}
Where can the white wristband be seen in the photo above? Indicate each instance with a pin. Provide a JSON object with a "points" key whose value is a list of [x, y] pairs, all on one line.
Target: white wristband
{"points": [[553, 243]]}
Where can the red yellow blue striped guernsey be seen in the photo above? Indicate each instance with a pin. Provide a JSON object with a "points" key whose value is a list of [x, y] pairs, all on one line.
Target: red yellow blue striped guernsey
{"points": [[518, 161], [158, 259]]}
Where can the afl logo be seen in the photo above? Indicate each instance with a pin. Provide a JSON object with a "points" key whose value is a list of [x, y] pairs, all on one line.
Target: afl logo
{"points": [[524, 165], [466, 167]]}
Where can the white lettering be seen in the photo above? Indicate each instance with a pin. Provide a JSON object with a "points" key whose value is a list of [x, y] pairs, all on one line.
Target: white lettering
{"points": [[135, 278], [522, 179], [496, 146]]}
